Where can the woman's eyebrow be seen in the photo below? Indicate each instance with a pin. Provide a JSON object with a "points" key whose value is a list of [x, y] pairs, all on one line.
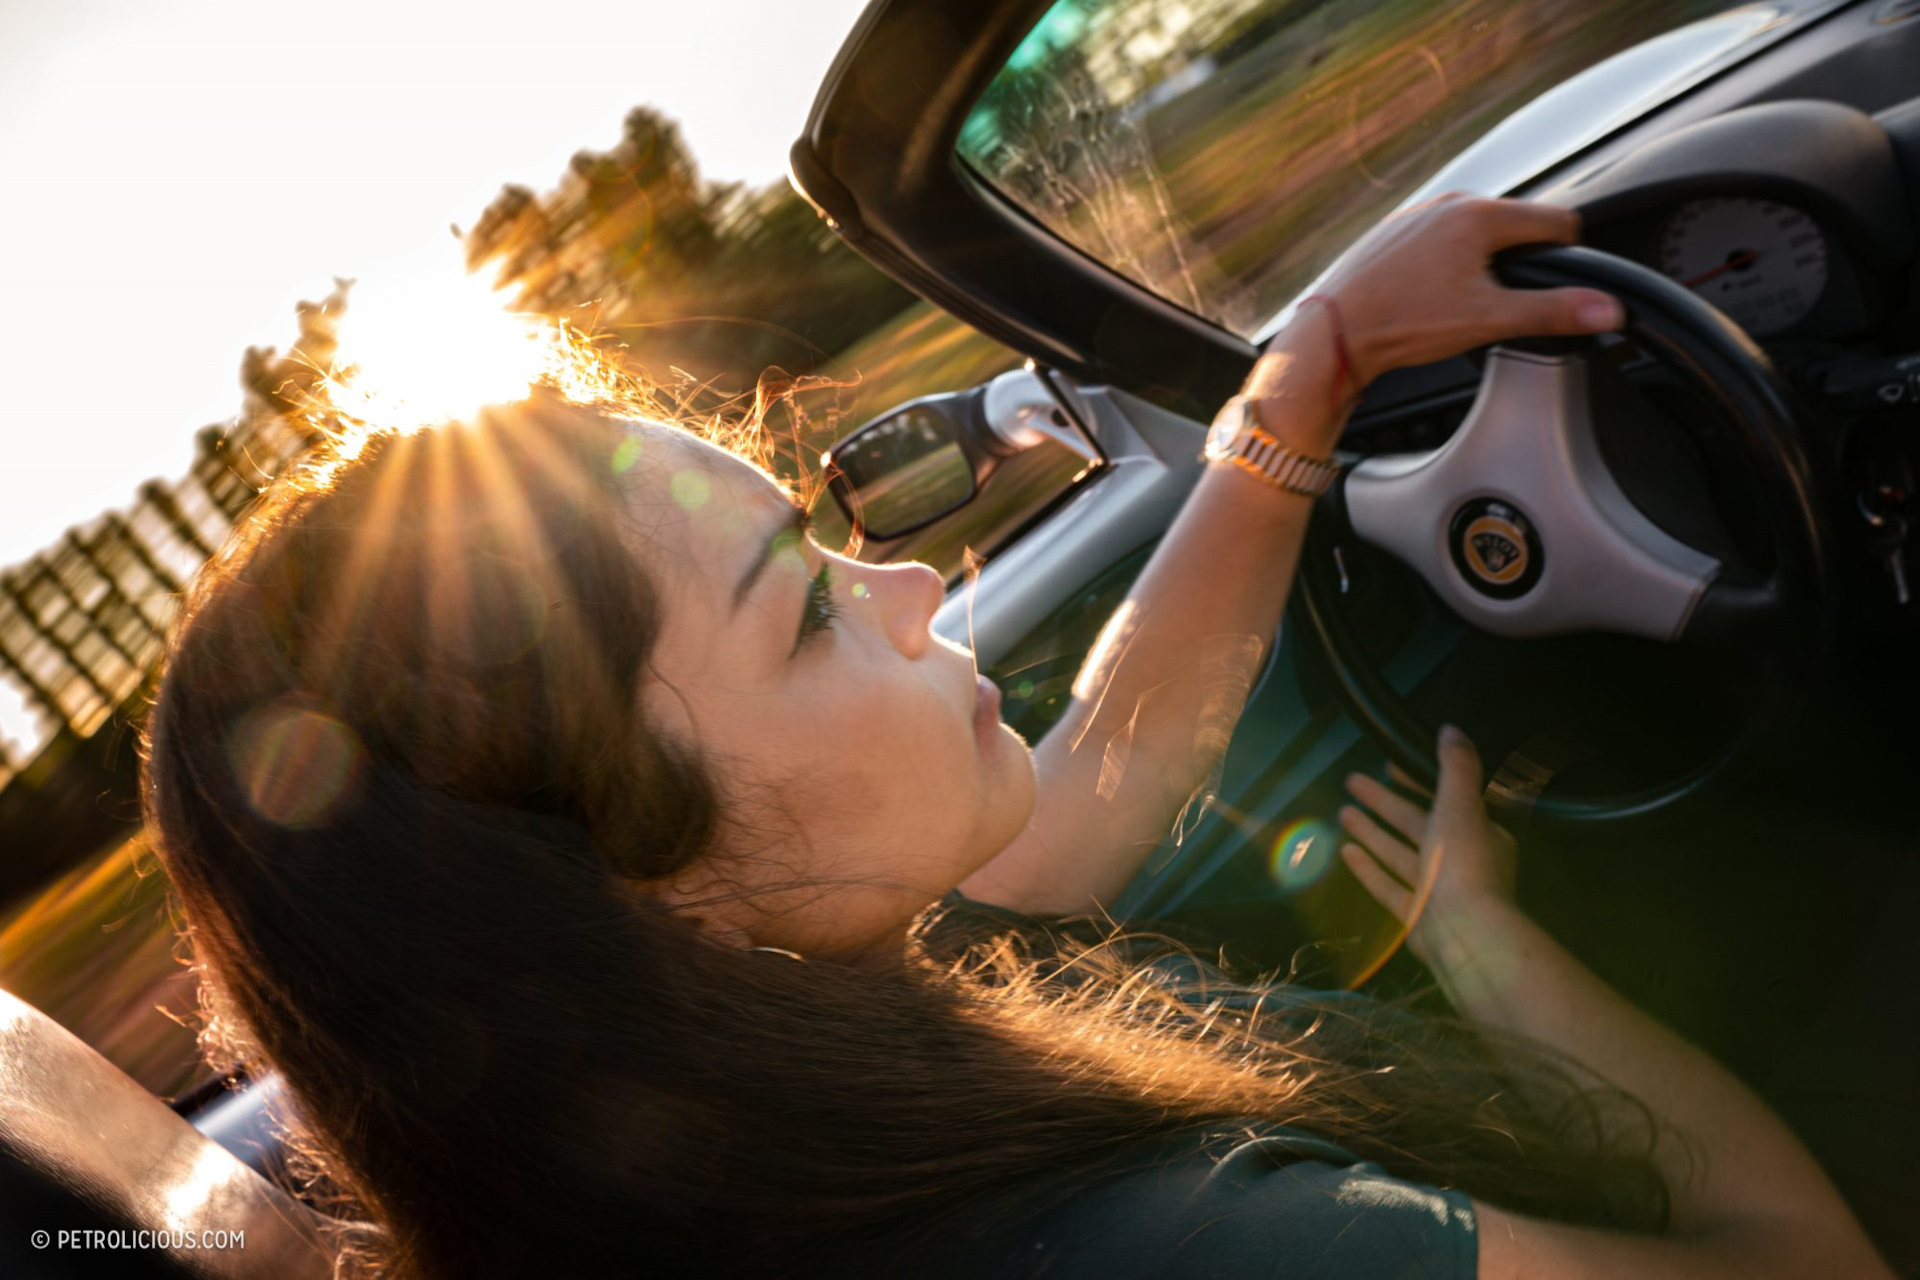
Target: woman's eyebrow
{"points": [[793, 527]]}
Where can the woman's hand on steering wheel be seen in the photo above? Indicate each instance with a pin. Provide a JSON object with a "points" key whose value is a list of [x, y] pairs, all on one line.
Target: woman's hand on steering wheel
{"points": [[1443, 869], [1420, 286]]}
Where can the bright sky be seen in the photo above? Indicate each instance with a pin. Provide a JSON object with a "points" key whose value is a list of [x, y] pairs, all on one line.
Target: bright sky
{"points": [[176, 174]]}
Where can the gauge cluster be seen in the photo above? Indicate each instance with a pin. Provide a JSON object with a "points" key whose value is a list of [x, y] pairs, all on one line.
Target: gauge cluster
{"points": [[1793, 218], [1761, 262], [1767, 263]]}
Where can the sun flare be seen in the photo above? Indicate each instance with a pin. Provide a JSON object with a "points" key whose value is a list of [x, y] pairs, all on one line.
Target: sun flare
{"points": [[433, 346]]}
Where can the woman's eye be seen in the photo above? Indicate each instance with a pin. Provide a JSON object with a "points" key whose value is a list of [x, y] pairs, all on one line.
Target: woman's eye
{"points": [[820, 610]]}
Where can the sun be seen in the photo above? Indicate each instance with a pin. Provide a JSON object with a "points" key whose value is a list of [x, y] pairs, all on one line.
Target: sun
{"points": [[431, 344]]}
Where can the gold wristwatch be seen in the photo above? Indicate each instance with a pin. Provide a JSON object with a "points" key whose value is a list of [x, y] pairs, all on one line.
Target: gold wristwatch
{"points": [[1237, 437]]}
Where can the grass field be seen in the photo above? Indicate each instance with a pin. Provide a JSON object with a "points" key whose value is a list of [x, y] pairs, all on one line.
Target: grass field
{"points": [[918, 352], [96, 952]]}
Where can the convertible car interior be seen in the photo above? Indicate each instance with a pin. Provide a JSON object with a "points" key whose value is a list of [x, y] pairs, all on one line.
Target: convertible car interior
{"points": [[1665, 579]]}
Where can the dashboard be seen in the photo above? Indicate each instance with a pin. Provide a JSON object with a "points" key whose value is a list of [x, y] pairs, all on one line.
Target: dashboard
{"points": [[1794, 218]]}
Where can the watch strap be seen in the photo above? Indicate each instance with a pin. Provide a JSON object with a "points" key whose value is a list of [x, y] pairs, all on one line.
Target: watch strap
{"points": [[1257, 451]]}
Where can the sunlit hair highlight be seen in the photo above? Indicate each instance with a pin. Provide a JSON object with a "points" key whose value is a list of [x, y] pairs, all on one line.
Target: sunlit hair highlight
{"points": [[347, 404]]}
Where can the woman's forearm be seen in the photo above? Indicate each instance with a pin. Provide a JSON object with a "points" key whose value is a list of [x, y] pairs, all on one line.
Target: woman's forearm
{"points": [[1730, 1164], [1154, 709], [1158, 698]]}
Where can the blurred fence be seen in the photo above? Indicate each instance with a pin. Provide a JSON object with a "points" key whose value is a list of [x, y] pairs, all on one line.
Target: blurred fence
{"points": [[80, 622]]}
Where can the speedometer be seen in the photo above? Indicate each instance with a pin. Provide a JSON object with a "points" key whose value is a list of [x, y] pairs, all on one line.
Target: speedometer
{"points": [[1761, 262]]}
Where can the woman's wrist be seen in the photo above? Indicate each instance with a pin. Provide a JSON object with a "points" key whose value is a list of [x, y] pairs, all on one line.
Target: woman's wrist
{"points": [[1304, 382], [1476, 951]]}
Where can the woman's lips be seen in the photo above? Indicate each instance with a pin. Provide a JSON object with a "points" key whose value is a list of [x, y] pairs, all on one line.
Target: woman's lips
{"points": [[986, 705]]}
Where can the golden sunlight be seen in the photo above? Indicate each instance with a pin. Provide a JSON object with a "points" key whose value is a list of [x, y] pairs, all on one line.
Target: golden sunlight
{"points": [[433, 346]]}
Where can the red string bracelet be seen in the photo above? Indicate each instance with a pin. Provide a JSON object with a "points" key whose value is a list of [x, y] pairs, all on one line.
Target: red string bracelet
{"points": [[1343, 358]]}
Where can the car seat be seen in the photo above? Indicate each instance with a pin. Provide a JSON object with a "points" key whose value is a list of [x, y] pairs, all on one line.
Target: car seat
{"points": [[83, 1147]]}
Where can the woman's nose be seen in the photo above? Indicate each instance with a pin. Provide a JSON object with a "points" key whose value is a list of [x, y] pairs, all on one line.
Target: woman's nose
{"points": [[907, 595]]}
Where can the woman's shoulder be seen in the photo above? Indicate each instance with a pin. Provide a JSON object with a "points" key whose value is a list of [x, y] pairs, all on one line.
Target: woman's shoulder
{"points": [[1264, 1202]]}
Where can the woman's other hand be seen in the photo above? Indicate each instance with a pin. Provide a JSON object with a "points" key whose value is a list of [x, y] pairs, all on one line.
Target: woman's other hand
{"points": [[1445, 871], [1746, 1198]]}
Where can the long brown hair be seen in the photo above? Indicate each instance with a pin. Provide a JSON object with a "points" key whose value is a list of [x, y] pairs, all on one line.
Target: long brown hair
{"points": [[396, 775]]}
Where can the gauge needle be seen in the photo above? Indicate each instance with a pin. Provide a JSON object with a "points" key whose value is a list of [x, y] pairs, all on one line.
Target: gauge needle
{"points": [[1731, 263]]}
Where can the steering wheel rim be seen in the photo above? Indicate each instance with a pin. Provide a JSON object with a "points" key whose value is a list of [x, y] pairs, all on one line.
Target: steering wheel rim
{"points": [[1782, 609]]}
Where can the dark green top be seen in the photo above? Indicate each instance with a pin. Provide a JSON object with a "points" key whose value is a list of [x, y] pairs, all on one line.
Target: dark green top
{"points": [[1277, 1205], [1266, 1202]]}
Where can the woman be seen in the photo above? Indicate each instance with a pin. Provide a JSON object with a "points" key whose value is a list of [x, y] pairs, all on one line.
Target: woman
{"points": [[555, 816]]}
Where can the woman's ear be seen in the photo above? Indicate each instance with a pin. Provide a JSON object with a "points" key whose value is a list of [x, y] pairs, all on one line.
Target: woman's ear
{"points": [[695, 898], [718, 932]]}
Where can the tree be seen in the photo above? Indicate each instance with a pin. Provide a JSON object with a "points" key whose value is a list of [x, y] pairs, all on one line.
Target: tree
{"points": [[713, 279], [286, 385]]}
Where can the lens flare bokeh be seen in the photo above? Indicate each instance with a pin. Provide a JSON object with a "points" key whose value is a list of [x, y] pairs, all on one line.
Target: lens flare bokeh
{"points": [[690, 488], [297, 765], [1303, 853]]}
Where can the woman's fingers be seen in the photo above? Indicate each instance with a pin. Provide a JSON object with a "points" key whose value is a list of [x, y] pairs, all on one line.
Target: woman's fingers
{"points": [[1408, 820], [1556, 311], [1402, 863], [1504, 223], [1418, 287], [1407, 782], [1387, 891], [1362, 826], [1458, 808]]}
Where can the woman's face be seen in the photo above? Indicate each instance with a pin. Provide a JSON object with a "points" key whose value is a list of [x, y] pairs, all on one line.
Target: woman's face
{"points": [[862, 764]]}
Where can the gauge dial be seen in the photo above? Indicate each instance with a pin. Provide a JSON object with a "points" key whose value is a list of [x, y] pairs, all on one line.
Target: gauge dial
{"points": [[1761, 262]]}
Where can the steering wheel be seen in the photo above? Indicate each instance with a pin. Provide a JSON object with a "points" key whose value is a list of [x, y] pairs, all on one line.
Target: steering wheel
{"points": [[1520, 528]]}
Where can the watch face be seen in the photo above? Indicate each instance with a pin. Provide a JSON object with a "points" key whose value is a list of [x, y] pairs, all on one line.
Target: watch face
{"points": [[1226, 428]]}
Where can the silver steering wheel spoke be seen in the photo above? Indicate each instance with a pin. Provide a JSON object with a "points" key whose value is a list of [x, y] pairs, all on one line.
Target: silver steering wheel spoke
{"points": [[1517, 523]]}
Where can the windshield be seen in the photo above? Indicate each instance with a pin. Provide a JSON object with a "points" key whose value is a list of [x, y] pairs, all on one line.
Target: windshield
{"points": [[1223, 152]]}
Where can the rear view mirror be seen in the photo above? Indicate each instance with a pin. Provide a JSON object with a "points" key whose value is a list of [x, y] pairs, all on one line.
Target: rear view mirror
{"points": [[928, 458], [903, 471]]}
